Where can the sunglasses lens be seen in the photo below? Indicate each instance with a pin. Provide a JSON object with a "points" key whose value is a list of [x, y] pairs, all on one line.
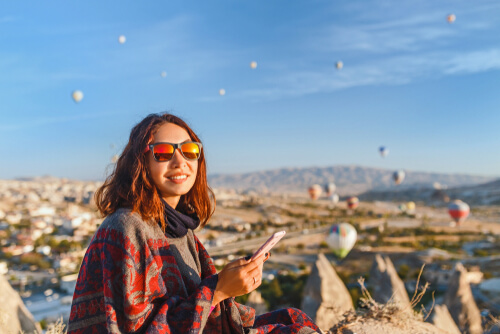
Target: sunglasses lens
{"points": [[163, 152], [191, 151]]}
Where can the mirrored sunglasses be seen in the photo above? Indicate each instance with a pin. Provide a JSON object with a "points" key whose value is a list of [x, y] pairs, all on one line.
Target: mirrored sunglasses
{"points": [[165, 151]]}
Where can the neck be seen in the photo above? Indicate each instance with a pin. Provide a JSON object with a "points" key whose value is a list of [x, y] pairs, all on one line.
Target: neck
{"points": [[172, 201]]}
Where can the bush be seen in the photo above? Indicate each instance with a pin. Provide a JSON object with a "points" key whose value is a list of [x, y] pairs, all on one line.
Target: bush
{"points": [[403, 271]]}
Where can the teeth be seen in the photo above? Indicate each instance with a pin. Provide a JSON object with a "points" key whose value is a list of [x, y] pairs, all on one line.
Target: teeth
{"points": [[180, 177]]}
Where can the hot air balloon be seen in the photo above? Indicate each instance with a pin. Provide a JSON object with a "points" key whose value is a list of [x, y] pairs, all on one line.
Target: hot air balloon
{"points": [[339, 65], [77, 95], [399, 176], [402, 207], [315, 191], [222, 92], [459, 211], [334, 198], [253, 65], [341, 239], [330, 188], [122, 39], [163, 74], [352, 202], [451, 18], [383, 151], [410, 206], [114, 158]]}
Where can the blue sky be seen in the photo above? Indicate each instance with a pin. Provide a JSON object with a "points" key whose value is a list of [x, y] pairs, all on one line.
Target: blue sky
{"points": [[425, 88]]}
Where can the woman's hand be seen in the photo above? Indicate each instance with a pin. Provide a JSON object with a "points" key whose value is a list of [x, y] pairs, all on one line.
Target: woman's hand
{"points": [[239, 278]]}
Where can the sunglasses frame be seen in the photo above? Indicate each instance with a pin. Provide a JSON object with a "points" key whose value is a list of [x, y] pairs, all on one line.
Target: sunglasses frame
{"points": [[150, 147]]}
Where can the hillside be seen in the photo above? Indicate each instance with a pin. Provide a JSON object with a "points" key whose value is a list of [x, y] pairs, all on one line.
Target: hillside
{"points": [[350, 180], [481, 194]]}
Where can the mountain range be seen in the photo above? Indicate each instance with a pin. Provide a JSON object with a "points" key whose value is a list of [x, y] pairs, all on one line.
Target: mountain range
{"points": [[350, 180]]}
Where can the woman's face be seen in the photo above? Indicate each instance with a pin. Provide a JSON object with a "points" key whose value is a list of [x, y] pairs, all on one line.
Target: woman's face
{"points": [[175, 177]]}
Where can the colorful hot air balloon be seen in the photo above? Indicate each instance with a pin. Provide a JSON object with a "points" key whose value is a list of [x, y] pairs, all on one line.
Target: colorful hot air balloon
{"points": [[458, 210], [334, 198], [330, 188], [114, 158], [399, 176], [163, 74], [341, 239], [253, 65], [339, 65], [410, 206], [383, 151], [352, 202], [451, 18], [222, 92], [402, 207], [315, 191], [122, 39], [77, 95]]}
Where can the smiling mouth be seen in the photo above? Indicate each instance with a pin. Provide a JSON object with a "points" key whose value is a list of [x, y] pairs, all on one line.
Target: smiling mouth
{"points": [[177, 177]]}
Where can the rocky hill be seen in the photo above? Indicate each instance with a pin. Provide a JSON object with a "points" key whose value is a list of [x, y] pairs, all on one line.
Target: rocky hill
{"points": [[14, 316], [350, 180], [481, 194]]}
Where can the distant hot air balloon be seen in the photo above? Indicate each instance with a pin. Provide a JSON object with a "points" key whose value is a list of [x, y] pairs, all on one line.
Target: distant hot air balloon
{"points": [[163, 74], [341, 239], [330, 188], [315, 191], [410, 206], [402, 207], [334, 198], [383, 151], [339, 65], [458, 210], [122, 39], [77, 95], [114, 158], [399, 176], [352, 202], [253, 65], [451, 18], [222, 92]]}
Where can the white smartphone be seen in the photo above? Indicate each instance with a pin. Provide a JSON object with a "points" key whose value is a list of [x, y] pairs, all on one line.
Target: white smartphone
{"points": [[266, 247]]}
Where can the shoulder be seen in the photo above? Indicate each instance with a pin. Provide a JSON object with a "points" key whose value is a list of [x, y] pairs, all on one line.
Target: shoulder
{"points": [[125, 223]]}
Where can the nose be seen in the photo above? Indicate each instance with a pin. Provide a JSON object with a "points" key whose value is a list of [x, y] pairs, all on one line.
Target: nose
{"points": [[178, 159]]}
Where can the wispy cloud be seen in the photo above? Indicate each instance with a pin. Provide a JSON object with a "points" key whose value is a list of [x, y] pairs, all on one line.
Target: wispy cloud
{"points": [[393, 71]]}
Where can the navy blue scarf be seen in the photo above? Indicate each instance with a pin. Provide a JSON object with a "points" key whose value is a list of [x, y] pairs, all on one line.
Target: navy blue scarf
{"points": [[178, 223]]}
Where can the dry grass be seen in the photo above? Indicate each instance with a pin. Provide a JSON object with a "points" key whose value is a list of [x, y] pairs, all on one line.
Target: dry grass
{"points": [[493, 325], [57, 328], [389, 312]]}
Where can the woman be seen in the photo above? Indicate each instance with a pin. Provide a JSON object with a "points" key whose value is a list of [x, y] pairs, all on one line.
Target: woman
{"points": [[145, 271]]}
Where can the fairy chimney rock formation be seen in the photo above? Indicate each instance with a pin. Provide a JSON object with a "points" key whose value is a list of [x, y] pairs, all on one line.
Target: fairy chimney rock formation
{"points": [[255, 300], [400, 324], [441, 318], [461, 304], [326, 298], [14, 316], [386, 283]]}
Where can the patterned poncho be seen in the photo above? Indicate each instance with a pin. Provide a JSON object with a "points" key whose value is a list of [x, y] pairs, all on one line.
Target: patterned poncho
{"points": [[134, 279]]}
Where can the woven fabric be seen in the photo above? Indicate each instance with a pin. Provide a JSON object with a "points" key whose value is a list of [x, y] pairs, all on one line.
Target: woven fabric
{"points": [[134, 279]]}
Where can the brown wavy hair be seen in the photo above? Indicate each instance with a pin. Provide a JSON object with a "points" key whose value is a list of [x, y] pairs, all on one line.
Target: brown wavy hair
{"points": [[130, 186]]}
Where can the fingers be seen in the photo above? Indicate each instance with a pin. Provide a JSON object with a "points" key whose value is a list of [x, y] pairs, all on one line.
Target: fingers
{"points": [[237, 263]]}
